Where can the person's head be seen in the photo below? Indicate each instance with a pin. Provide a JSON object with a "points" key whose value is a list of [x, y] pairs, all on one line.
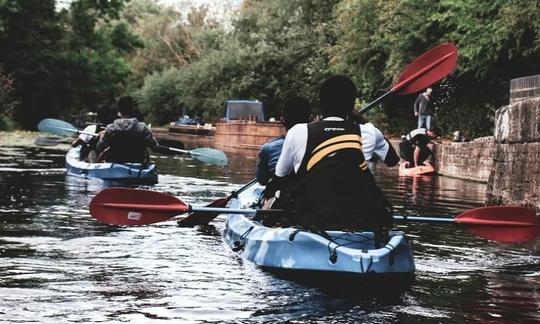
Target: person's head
{"points": [[433, 132], [296, 111], [106, 114], [429, 91], [125, 106], [337, 96]]}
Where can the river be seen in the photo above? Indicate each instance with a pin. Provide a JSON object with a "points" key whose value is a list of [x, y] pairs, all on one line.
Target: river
{"points": [[58, 265]]}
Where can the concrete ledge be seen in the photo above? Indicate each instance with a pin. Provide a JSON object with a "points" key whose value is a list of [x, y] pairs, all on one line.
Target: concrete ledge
{"points": [[515, 179], [518, 122]]}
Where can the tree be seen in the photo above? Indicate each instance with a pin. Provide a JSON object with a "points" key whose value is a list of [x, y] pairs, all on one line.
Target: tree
{"points": [[498, 40]]}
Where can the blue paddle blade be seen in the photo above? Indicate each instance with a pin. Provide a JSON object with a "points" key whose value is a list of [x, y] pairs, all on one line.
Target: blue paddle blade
{"points": [[210, 156], [57, 127]]}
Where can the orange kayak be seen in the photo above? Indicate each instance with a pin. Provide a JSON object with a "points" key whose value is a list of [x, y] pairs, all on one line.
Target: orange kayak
{"points": [[405, 170]]}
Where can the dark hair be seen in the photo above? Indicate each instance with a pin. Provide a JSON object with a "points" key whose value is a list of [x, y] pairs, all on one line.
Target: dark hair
{"points": [[435, 130], [337, 96], [296, 111], [125, 106], [106, 114]]}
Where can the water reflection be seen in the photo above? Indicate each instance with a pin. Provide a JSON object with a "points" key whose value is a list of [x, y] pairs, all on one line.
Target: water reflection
{"points": [[59, 265]]}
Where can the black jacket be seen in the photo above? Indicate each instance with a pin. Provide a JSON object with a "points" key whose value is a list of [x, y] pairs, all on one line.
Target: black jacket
{"points": [[126, 140]]}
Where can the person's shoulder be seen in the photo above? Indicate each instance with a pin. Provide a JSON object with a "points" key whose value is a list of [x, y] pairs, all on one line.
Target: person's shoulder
{"points": [[296, 129], [369, 128]]}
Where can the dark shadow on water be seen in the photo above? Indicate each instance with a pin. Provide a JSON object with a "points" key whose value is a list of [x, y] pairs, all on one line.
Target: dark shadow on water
{"points": [[209, 230], [382, 287]]}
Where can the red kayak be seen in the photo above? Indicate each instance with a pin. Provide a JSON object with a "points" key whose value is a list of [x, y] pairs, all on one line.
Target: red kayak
{"points": [[405, 170]]}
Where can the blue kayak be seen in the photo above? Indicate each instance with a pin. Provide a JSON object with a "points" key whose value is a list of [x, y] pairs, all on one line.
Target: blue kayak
{"points": [[121, 172], [302, 254]]}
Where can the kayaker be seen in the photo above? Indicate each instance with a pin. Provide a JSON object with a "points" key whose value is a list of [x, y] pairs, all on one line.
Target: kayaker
{"points": [[334, 188], [126, 139], [417, 146], [296, 111], [89, 142]]}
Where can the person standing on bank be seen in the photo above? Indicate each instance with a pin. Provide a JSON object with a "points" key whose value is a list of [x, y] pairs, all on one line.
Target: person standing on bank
{"points": [[423, 108], [296, 111], [126, 140], [333, 187]]}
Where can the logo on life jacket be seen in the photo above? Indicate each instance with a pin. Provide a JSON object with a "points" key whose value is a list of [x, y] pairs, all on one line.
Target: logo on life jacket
{"points": [[333, 129]]}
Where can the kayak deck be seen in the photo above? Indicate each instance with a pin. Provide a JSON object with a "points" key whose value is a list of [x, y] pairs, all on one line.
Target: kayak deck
{"points": [[122, 172], [296, 251]]}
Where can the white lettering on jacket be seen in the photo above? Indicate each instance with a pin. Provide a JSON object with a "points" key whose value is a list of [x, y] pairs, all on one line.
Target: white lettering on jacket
{"points": [[331, 129]]}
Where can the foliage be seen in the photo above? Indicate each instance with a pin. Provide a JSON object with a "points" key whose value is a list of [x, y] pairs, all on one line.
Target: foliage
{"points": [[7, 102], [498, 40], [276, 50], [184, 62], [62, 62]]}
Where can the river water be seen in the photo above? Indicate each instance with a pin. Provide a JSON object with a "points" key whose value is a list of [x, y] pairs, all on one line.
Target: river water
{"points": [[58, 265]]}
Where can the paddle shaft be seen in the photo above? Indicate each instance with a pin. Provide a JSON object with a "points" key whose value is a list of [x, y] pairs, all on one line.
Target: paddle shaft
{"points": [[191, 152], [75, 131]]}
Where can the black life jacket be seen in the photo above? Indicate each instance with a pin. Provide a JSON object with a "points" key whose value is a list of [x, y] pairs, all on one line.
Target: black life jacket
{"points": [[335, 188]]}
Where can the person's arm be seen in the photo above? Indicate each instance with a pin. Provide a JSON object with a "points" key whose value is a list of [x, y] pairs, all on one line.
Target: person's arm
{"points": [[383, 150], [149, 138], [104, 141], [261, 172], [416, 104], [285, 163], [392, 158], [416, 155]]}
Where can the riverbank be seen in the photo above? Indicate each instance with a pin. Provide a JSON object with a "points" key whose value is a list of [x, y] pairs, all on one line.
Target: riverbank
{"points": [[18, 138]]}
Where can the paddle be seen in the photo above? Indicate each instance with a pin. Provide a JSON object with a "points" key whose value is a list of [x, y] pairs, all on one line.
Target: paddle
{"points": [[425, 70], [60, 128], [500, 223], [204, 154], [125, 206], [203, 218]]}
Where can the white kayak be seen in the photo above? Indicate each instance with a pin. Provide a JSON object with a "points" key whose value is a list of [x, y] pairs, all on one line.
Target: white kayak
{"points": [[300, 253]]}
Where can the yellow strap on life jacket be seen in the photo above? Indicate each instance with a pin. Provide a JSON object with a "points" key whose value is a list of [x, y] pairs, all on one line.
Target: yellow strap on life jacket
{"points": [[363, 166], [341, 138], [333, 145]]}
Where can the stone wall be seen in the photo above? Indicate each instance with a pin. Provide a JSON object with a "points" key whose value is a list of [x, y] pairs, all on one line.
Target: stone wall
{"points": [[518, 122], [468, 160], [515, 178], [509, 161]]}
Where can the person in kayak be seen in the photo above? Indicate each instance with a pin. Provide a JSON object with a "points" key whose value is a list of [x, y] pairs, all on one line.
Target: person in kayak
{"points": [[333, 187], [126, 140], [417, 146], [296, 111], [89, 142]]}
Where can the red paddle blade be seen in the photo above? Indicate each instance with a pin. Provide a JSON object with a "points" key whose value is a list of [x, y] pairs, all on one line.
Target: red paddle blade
{"points": [[427, 69], [125, 206], [203, 218], [514, 234], [498, 216]]}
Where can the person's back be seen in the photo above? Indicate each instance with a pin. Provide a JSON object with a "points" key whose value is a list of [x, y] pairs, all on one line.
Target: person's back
{"points": [[334, 188], [296, 111], [414, 147], [126, 139]]}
